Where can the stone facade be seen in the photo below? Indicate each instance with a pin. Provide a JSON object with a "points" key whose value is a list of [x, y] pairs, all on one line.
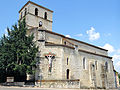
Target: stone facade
{"points": [[66, 62], [32, 20], [94, 74]]}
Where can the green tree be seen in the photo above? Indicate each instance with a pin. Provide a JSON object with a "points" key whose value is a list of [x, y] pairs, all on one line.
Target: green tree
{"points": [[18, 51], [2, 62]]}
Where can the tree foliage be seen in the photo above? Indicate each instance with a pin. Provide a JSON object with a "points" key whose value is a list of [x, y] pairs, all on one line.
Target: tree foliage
{"points": [[17, 51]]}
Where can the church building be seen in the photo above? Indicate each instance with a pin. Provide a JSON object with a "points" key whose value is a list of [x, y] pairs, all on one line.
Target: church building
{"points": [[64, 62]]}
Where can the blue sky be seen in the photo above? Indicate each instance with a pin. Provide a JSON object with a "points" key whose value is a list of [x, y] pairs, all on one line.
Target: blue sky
{"points": [[94, 21]]}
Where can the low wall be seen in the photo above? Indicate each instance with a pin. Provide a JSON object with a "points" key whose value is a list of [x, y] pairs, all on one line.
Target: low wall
{"points": [[68, 84], [58, 83], [13, 84]]}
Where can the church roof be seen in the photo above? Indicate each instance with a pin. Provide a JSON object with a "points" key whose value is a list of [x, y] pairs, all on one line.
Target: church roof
{"points": [[36, 5], [74, 39], [52, 44]]}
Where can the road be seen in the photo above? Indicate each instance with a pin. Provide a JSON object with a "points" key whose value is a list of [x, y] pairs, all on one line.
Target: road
{"points": [[27, 88], [12, 88], [21, 88]]}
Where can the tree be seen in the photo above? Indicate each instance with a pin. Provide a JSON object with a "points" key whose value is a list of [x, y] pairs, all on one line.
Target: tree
{"points": [[2, 63], [18, 51]]}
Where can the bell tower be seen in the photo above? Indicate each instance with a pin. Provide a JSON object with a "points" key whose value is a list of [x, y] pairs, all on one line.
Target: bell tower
{"points": [[36, 16]]}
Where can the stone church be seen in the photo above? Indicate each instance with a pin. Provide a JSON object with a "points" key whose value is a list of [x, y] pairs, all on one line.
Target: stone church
{"points": [[64, 62]]}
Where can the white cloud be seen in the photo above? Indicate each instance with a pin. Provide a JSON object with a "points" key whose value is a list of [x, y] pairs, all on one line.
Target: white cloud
{"points": [[116, 60], [118, 64], [116, 57], [68, 36], [79, 35], [92, 34], [109, 47]]}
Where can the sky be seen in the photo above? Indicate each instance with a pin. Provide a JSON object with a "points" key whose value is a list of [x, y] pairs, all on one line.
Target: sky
{"points": [[93, 21]]}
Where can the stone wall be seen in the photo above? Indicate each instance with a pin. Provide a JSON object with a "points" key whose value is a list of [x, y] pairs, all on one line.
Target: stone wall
{"points": [[57, 39], [43, 67], [89, 78], [58, 84], [33, 21], [53, 38], [89, 48], [30, 18], [13, 84], [92, 76]]}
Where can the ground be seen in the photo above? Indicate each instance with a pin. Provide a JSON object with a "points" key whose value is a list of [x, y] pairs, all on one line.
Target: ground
{"points": [[30, 88]]}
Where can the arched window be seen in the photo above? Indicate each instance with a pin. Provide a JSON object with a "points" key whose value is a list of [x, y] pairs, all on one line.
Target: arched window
{"points": [[67, 73], [45, 15], [64, 42], [40, 24], [36, 11], [106, 66], [25, 11], [67, 60], [84, 63]]}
